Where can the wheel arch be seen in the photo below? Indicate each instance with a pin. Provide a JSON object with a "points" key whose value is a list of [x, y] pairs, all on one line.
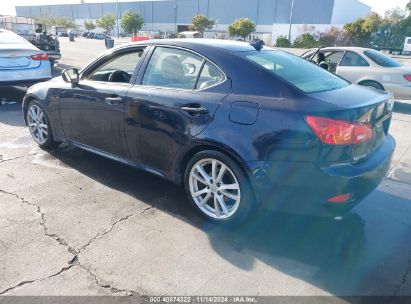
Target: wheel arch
{"points": [[185, 156], [26, 101], [363, 81]]}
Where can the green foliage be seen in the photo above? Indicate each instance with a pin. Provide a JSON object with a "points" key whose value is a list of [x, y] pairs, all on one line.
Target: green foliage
{"points": [[201, 23], [241, 27], [89, 25], [408, 7], [333, 37], [106, 22], [305, 41], [49, 21], [131, 22], [282, 42]]}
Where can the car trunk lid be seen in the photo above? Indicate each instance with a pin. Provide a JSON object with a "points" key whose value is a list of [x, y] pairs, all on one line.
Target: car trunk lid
{"points": [[18, 57], [367, 106]]}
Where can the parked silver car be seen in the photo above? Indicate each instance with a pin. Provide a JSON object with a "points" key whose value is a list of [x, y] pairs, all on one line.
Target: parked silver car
{"points": [[366, 67], [21, 63]]}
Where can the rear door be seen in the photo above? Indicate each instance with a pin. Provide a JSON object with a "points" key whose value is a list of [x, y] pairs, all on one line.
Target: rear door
{"points": [[352, 67], [173, 101]]}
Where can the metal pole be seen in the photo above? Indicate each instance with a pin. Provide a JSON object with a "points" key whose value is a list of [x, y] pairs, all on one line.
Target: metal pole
{"points": [[291, 19], [118, 32]]}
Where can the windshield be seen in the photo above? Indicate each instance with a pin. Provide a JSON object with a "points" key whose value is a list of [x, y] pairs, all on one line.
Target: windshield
{"points": [[381, 59], [305, 75], [10, 38]]}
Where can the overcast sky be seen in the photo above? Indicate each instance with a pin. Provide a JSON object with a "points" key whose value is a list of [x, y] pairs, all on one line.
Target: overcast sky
{"points": [[7, 6]]}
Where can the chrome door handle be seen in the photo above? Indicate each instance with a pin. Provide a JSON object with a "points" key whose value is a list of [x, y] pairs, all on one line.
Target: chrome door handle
{"points": [[194, 110], [113, 100]]}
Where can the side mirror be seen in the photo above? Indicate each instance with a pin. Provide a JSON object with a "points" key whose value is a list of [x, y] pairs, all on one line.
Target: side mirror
{"points": [[71, 76]]}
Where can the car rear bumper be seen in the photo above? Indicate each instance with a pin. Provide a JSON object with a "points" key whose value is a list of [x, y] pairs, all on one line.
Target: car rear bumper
{"points": [[304, 188], [400, 91], [15, 77]]}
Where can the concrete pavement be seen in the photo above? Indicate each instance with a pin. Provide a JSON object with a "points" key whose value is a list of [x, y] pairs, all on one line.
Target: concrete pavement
{"points": [[103, 228]]}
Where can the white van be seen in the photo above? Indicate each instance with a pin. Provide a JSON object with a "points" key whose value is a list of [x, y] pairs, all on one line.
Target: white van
{"points": [[407, 45]]}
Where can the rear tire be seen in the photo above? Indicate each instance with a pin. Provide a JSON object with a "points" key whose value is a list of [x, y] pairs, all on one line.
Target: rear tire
{"points": [[218, 188], [39, 125]]}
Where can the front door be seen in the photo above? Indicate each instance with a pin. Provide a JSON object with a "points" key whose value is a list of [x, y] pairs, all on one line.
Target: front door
{"points": [[92, 113]]}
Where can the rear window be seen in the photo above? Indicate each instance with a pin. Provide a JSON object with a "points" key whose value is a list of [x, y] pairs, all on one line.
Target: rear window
{"points": [[305, 75], [381, 59], [10, 38]]}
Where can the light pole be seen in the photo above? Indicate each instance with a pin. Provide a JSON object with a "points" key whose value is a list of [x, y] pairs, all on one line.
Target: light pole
{"points": [[291, 19], [118, 32]]}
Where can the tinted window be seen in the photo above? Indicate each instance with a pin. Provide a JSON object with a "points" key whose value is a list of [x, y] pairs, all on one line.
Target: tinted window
{"points": [[306, 76], [172, 68], [381, 59], [125, 62], [11, 38], [353, 59], [210, 75]]}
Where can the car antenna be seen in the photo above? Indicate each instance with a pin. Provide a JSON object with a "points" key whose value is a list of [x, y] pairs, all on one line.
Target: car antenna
{"points": [[258, 44]]}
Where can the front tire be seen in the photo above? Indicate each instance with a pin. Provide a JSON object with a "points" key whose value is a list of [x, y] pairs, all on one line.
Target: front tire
{"points": [[218, 188], [39, 125]]}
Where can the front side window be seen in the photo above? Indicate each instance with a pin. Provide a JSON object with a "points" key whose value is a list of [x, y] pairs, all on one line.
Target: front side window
{"points": [[173, 68], [353, 59], [382, 59], [120, 68], [306, 76]]}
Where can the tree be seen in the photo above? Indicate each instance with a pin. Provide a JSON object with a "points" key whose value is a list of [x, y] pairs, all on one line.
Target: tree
{"points": [[357, 34], [408, 7], [282, 42], [106, 22], [241, 27], [333, 37], [49, 21], [89, 25], [131, 22], [201, 23], [305, 41]]}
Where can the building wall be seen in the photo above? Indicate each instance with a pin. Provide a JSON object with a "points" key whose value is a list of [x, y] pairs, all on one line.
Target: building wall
{"points": [[272, 16]]}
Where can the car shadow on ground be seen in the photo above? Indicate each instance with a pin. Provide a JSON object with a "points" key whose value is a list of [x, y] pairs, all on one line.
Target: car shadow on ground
{"points": [[337, 253]]}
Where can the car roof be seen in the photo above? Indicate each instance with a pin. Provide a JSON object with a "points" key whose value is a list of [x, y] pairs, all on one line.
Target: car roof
{"points": [[347, 48], [229, 45]]}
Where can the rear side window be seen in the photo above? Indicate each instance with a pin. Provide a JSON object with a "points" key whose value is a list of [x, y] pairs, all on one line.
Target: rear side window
{"points": [[210, 75], [381, 59], [353, 59], [306, 76]]}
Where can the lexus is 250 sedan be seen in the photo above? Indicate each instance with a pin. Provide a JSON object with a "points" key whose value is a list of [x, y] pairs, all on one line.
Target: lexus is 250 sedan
{"points": [[240, 126]]}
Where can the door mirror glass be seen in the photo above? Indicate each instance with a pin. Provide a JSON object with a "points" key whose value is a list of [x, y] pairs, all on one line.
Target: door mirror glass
{"points": [[71, 76]]}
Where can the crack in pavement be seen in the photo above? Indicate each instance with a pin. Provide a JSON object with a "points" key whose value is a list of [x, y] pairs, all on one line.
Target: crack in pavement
{"points": [[404, 279], [22, 283], [14, 158], [75, 260], [107, 286]]}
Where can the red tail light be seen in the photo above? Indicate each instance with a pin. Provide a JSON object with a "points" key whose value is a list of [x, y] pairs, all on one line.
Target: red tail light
{"points": [[408, 77], [343, 198], [339, 132], [42, 56]]}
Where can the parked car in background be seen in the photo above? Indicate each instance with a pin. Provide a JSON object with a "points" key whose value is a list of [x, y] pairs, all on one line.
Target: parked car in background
{"points": [[100, 36], [239, 125], [91, 35], [367, 67], [21, 63], [85, 34]]}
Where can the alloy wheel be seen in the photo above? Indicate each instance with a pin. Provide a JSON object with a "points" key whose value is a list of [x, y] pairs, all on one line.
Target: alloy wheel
{"points": [[214, 188], [37, 124]]}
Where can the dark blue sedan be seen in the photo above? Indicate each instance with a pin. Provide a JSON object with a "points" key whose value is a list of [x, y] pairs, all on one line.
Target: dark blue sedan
{"points": [[239, 125]]}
